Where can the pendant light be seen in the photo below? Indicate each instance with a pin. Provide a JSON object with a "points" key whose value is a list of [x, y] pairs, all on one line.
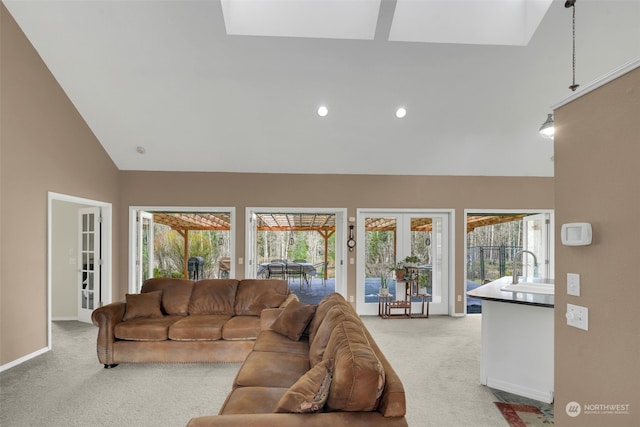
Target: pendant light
{"points": [[568, 4], [547, 129]]}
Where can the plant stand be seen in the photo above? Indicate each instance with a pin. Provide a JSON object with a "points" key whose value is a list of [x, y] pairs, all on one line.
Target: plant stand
{"points": [[386, 306], [425, 298]]}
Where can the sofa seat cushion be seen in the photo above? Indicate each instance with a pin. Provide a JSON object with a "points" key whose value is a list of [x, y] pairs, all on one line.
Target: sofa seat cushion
{"points": [[274, 342], [141, 329], [213, 296], [252, 400], [198, 328], [358, 375], [241, 328], [175, 293], [270, 369], [254, 295]]}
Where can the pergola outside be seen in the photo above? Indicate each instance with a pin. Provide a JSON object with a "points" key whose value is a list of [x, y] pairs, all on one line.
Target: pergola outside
{"points": [[321, 222]]}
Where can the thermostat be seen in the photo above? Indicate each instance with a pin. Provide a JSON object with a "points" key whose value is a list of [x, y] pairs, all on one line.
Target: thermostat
{"points": [[576, 234]]}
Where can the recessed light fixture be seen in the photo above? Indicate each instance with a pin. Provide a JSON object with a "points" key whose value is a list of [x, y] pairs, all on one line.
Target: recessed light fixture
{"points": [[323, 111], [140, 149], [401, 112]]}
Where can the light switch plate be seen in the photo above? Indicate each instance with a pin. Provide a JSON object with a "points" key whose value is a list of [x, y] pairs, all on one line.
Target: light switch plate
{"points": [[573, 284], [578, 316]]}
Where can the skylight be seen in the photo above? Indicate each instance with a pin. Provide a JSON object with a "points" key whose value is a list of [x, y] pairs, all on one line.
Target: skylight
{"points": [[489, 22]]}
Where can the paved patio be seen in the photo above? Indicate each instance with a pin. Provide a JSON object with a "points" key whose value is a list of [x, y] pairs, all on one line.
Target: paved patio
{"points": [[315, 291]]}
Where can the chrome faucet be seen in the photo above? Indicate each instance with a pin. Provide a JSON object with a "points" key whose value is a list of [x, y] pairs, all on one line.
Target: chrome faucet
{"points": [[515, 263]]}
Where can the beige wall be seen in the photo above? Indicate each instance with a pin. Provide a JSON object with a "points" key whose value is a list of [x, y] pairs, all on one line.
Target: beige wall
{"points": [[45, 146], [334, 191], [597, 150]]}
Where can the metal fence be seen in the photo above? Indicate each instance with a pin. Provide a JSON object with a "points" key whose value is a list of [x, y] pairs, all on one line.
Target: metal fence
{"points": [[486, 263]]}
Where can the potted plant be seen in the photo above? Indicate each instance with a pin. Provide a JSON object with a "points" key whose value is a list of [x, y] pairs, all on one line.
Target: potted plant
{"points": [[399, 270], [422, 285], [411, 261], [384, 284]]}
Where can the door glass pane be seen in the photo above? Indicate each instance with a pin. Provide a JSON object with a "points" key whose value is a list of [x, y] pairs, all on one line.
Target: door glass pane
{"points": [[535, 240], [380, 249], [421, 248], [437, 260], [146, 247], [90, 222]]}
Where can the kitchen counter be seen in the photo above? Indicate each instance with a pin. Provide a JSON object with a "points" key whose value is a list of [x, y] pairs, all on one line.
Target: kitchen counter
{"points": [[517, 340], [492, 291]]}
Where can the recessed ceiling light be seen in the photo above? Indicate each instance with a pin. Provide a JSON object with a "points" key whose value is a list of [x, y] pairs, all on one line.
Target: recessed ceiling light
{"points": [[140, 149], [323, 111], [401, 112]]}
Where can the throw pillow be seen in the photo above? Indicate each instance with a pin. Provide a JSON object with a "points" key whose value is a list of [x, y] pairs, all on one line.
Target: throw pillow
{"points": [[310, 392], [294, 319], [143, 305]]}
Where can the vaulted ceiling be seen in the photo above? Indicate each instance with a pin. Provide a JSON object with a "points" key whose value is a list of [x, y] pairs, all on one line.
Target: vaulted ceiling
{"points": [[185, 86]]}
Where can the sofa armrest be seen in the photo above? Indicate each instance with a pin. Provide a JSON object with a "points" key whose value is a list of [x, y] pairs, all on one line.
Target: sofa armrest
{"points": [[106, 318], [268, 316]]}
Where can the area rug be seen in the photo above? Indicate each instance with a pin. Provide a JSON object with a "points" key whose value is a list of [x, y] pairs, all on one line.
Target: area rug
{"points": [[520, 415]]}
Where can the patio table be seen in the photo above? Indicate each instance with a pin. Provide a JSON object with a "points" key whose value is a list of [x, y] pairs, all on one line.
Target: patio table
{"points": [[290, 268]]}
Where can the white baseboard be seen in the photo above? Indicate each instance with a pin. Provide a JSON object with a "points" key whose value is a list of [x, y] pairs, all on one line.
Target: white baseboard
{"points": [[541, 395], [63, 318], [24, 359]]}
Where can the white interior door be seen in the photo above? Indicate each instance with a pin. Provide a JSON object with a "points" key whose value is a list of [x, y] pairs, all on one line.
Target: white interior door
{"points": [[538, 238], [89, 262], [390, 236]]}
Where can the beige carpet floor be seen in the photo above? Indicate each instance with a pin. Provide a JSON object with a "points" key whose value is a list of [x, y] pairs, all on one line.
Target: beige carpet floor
{"points": [[437, 359]]}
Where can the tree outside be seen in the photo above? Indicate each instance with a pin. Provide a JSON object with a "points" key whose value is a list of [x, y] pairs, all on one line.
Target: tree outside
{"points": [[169, 251]]}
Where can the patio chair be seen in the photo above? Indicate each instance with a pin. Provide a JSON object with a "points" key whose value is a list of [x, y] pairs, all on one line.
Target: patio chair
{"points": [[224, 266], [275, 270], [295, 270], [319, 270]]}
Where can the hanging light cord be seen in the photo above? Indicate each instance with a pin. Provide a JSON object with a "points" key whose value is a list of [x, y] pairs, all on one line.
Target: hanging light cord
{"points": [[572, 3]]}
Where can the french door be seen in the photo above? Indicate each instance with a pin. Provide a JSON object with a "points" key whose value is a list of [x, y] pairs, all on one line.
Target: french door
{"points": [[388, 237], [89, 268]]}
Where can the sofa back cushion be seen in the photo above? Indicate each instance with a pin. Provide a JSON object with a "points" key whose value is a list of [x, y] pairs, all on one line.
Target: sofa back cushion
{"points": [[335, 315], [358, 376], [324, 306], [175, 293], [213, 296], [254, 295]]}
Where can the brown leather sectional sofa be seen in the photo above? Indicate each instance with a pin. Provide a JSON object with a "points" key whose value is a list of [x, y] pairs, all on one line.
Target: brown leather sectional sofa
{"points": [[303, 365], [329, 373], [177, 320]]}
